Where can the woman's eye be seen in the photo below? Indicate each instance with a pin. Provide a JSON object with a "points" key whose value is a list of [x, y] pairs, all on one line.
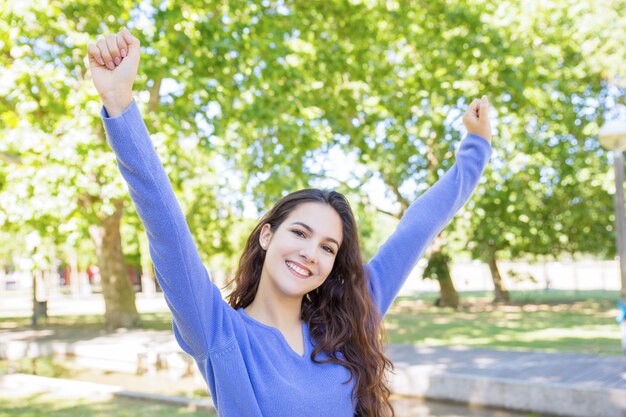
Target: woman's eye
{"points": [[298, 233], [328, 249]]}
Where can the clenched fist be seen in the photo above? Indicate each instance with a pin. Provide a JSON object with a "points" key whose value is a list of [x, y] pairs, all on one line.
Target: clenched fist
{"points": [[476, 118], [113, 61]]}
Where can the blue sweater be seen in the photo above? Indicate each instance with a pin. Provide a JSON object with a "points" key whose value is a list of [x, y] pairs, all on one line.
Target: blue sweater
{"points": [[249, 367]]}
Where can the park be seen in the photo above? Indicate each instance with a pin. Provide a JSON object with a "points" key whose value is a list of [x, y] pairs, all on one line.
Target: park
{"points": [[515, 308]]}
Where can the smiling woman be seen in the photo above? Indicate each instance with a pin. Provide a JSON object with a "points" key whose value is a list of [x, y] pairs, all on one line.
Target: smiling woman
{"points": [[300, 334], [298, 243]]}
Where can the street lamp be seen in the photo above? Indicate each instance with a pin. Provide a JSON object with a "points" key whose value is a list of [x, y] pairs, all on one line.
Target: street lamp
{"points": [[613, 137]]}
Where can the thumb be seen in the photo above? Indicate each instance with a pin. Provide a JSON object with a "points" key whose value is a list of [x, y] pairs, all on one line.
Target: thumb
{"points": [[91, 62]]}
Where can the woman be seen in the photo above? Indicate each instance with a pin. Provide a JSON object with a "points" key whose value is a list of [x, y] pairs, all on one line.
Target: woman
{"points": [[300, 334]]}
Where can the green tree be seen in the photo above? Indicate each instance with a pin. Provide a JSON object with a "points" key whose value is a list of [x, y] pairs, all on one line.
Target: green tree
{"points": [[551, 196], [245, 98], [66, 179]]}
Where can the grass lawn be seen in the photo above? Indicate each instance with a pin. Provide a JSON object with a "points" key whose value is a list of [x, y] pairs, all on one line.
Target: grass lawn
{"points": [[45, 405], [85, 322], [567, 321], [582, 321]]}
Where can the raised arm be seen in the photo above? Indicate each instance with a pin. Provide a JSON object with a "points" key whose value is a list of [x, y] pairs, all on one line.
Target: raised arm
{"points": [[201, 317], [431, 212]]}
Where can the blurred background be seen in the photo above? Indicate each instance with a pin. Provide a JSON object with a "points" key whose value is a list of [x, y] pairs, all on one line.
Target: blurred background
{"points": [[249, 100]]}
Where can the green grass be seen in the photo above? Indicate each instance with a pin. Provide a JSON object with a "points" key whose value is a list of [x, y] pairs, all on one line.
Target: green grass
{"points": [[565, 321], [37, 366], [85, 322], [42, 405], [555, 321]]}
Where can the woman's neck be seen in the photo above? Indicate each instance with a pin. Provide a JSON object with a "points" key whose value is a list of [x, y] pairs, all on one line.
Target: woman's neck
{"points": [[283, 315]]}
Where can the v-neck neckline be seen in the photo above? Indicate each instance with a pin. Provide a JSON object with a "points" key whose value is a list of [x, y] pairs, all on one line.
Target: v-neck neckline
{"points": [[304, 329]]}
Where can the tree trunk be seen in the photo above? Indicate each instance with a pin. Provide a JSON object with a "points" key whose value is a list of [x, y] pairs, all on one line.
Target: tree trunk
{"points": [[448, 297], [119, 296], [41, 293], [501, 293], [439, 268]]}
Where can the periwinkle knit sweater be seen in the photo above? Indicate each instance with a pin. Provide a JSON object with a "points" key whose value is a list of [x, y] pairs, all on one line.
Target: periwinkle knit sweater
{"points": [[249, 367]]}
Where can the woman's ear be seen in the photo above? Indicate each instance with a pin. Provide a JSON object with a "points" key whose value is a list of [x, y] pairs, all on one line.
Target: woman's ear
{"points": [[265, 236]]}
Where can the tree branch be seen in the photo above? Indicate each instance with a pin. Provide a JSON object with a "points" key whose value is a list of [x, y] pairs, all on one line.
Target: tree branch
{"points": [[10, 158]]}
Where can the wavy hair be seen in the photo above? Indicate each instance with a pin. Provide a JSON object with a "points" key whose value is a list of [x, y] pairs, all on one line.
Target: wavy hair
{"points": [[343, 321]]}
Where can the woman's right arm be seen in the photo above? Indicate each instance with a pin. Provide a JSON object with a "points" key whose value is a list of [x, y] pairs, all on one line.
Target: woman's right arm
{"points": [[201, 317]]}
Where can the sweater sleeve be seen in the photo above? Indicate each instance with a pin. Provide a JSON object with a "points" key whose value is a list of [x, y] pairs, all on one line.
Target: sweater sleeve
{"points": [[201, 319], [424, 219]]}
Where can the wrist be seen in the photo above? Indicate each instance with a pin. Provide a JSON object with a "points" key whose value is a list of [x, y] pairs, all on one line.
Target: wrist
{"points": [[484, 135], [116, 103]]}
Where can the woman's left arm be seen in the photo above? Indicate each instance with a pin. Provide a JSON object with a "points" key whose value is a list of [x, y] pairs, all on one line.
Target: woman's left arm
{"points": [[431, 212]]}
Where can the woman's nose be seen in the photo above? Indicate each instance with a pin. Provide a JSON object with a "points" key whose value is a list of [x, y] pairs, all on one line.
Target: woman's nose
{"points": [[308, 254]]}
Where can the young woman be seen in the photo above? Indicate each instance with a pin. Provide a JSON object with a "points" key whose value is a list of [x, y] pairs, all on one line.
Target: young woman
{"points": [[300, 334]]}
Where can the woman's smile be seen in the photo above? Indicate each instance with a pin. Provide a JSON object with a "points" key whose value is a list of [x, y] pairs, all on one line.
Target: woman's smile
{"points": [[298, 270]]}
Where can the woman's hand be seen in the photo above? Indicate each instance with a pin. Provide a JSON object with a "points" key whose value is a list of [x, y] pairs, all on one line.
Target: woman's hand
{"points": [[476, 118], [113, 62]]}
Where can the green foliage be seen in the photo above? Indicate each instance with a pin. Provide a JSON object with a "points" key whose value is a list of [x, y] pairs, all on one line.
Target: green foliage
{"points": [[548, 191], [246, 101], [438, 266]]}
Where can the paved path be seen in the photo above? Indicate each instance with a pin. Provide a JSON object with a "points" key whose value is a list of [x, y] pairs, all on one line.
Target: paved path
{"points": [[560, 384], [553, 383]]}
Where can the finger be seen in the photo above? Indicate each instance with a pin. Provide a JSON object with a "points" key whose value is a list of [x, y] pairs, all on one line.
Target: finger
{"points": [[121, 44], [469, 111], [133, 53], [106, 55], [484, 106], [111, 41], [131, 41], [473, 108], [94, 55]]}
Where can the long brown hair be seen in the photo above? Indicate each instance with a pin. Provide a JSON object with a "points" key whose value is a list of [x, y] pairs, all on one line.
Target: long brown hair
{"points": [[341, 314]]}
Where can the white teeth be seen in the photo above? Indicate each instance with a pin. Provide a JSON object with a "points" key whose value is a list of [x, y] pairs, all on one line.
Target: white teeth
{"points": [[298, 269]]}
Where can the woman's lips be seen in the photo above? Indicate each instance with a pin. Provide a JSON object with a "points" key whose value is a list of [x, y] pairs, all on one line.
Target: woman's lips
{"points": [[298, 270]]}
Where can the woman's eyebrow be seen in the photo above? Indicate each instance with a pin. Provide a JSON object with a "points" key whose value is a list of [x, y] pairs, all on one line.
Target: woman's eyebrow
{"points": [[307, 227]]}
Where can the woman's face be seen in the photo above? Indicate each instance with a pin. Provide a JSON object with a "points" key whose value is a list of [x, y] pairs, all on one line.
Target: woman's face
{"points": [[301, 252]]}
